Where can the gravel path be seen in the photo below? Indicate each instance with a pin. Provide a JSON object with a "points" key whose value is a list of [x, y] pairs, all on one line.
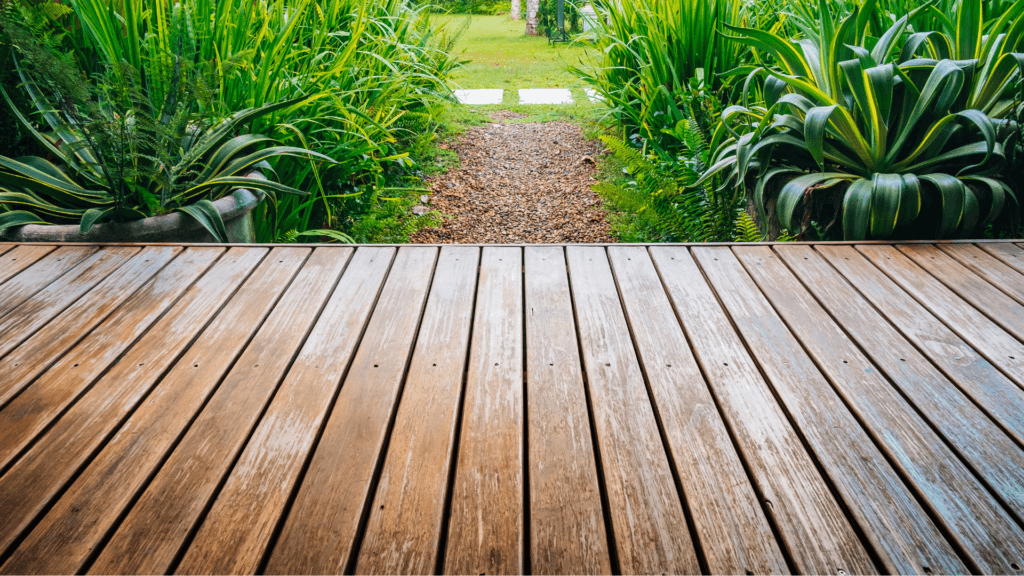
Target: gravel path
{"points": [[519, 184]]}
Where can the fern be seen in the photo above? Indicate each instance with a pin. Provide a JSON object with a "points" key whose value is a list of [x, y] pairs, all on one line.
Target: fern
{"points": [[747, 230], [659, 203]]}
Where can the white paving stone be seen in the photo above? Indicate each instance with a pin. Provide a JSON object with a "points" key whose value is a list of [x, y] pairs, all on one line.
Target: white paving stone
{"points": [[545, 96], [593, 95], [480, 97]]}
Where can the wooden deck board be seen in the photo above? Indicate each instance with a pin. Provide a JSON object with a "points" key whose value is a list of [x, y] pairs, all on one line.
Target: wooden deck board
{"points": [[336, 491], [565, 493], [987, 447], [52, 339], [972, 324], [486, 526], [403, 535], [17, 258], [929, 467], [731, 524], [828, 408], [173, 501], [648, 517], [895, 524]]}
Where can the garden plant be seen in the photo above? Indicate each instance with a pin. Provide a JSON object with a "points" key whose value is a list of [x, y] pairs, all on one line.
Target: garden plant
{"points": [[825, 119], [151, 107]]}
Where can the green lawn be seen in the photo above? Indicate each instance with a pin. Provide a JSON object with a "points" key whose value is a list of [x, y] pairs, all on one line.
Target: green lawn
{"points": [[502, 56]]}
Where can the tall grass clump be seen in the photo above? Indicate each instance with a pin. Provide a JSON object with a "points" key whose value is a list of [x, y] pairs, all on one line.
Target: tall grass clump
{"points": [[831, 118], [351, 69]]}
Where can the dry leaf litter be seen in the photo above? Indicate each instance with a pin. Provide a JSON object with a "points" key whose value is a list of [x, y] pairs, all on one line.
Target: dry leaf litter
{"points": [[518, 184]]}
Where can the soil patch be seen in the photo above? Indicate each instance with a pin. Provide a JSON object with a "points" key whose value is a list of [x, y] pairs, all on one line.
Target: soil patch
{"points": [[519, 184]]}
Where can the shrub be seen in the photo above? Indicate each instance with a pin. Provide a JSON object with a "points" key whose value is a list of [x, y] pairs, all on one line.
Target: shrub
{"points": [[864, 146], [353, 67]]}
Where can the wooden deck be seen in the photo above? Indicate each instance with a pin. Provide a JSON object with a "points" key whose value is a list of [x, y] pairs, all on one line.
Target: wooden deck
{"points": [[831, 409]]}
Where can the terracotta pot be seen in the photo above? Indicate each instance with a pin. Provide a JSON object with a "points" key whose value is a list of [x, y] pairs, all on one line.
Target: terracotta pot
{"points": [[235, 209]]}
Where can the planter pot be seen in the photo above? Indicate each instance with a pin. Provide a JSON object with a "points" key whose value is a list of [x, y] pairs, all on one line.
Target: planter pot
{"points": [[235, 209]]}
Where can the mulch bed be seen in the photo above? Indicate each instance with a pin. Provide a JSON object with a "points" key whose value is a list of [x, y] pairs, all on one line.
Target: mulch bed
{"points": [[519, 184]]}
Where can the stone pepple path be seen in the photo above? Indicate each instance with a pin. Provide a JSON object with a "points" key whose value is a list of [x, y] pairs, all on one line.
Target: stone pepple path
{"points": [[526, 96]]}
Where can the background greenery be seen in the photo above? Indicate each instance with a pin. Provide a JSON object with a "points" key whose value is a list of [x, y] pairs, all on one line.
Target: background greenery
{"points": [[373, 73], [825, 90]]}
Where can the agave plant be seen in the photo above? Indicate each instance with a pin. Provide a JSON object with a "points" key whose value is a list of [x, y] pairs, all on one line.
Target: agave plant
{"points": [[893, 140], [125, 157]]}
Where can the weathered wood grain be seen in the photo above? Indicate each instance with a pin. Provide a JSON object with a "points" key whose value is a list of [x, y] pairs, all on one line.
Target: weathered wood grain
{"points": [[62, 541], [1010, 254], [812, 525], [957, 499], [731, 525], [893, 522], [936, 388], [988, 299], [257, 491], [649, 523], [977, 329], [56, 381], [988, 267], [17, 258], [567, 529], [486, 532], [38, 476], [51, 340], [403, 534], [165, 513], [324, 520], [648, 411], [24, 320], [984, 383]]}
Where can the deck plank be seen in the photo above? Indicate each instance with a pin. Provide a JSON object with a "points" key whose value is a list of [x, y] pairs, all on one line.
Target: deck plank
{"points": [[56, 382], [977, 329], [20, 322], [989, 300], [324, 521], [64, 538], [25, 358], [957, 499], [183, 485], [944, 399], [564, 492], [812, 525], [270, 466], [988, 267], [37, 477], [17, 258], [403, 535], [647, 515], [894, 523], [815, 408], [486, 531], [1009, 254], [986, 385], [731, 525]]}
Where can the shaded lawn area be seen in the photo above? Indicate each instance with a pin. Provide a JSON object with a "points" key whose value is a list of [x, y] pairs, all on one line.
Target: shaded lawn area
{"points": [[502, 56]]}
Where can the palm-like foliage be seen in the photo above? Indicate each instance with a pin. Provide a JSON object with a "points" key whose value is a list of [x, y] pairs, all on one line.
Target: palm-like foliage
{"points": [[358, 65], [125, 156], [894, 140]]}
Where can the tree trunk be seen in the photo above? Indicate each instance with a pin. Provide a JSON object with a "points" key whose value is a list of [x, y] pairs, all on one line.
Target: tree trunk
{"points": [[532, 6], [516, 7]]}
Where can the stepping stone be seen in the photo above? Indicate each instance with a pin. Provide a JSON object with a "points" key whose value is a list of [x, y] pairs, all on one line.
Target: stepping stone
{"points": [[593, 95], [480, 97], [545, 96]]}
